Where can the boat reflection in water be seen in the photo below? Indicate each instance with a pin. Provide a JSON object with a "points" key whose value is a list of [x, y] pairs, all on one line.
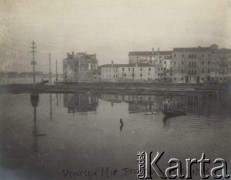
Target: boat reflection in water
{"points": [[174, 105]]}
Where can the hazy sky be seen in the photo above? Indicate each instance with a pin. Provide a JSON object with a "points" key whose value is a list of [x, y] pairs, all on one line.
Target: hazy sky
{"points": [[109, 28]]}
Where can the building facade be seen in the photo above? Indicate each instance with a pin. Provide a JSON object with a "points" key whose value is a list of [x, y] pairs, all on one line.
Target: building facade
{"points": [[79, 67], [181, 65], [150, 57], [222, 59], [140, 72], [200, 65]]}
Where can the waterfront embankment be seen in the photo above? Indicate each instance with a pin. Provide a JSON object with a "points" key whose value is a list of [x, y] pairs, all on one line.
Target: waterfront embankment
{"points": [[140, 88]]}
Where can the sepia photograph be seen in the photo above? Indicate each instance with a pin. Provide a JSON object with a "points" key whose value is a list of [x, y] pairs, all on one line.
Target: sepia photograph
{"points": [[115, 89]]}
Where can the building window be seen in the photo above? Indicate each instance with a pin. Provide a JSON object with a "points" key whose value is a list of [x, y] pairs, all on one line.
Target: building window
{"points": [[182, 62], [122, 69], [202, 71], [132, 69], [208, 62], [149, 69], [182, 55], [203, 55], [174, 79], [141, 69], [140, 75], [174, 62], [208, 70], [202, 62], [174, 55], [128, 69], [182, 71]]}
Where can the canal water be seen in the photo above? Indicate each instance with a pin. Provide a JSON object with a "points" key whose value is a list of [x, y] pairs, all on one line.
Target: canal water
{"points": [[98, 136]]}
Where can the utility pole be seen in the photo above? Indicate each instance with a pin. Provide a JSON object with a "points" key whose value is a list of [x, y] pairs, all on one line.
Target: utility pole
{"points": [[33, 62], [56, 70], [50, 68]]}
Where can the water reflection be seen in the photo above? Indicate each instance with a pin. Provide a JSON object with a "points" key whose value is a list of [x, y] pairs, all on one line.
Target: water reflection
{"points": [[34, 99], [80, 102], [50, 101], [174, 105], [57, 100], [121, 126], [170, 105], [177, 104]]}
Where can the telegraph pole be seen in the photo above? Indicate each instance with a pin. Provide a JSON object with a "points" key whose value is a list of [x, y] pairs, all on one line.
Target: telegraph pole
{"points": [[50, 68], [56, 70], [33, 62]]}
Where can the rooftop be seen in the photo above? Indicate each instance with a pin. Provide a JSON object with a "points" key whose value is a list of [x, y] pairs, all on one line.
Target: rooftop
{"points": [[126, 65], [196, 49], [149, 53], [223, 51], [193, 49]]}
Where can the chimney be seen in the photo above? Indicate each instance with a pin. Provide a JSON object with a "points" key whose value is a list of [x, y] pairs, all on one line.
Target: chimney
{"points": [[152, 52], [158, 51], [68, 55], [112, 64]]}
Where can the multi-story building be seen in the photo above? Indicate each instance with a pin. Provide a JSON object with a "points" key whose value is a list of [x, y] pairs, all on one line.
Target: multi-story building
{"points": [[79, 67], [194, 64], [159, 59], [110, 72], [151, 57], [222, 59], [182, 65], [140, 72], [199, 64], [167, 70]]}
